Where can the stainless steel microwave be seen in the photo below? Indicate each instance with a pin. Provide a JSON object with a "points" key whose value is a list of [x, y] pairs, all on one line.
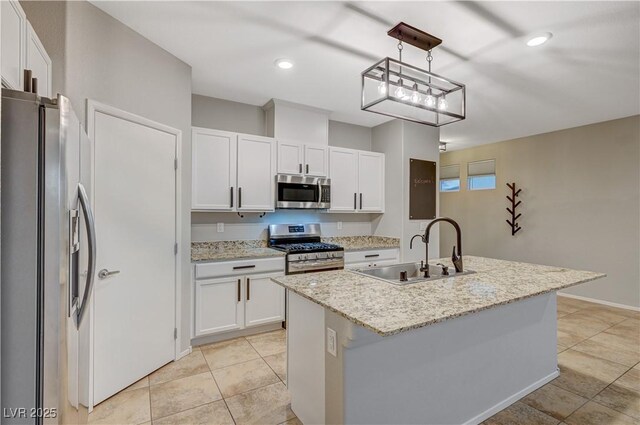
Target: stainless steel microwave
{"points": [[297, 192]]}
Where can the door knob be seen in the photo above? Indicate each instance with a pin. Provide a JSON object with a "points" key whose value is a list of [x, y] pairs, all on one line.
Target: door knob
{"points": [[104, 273]]}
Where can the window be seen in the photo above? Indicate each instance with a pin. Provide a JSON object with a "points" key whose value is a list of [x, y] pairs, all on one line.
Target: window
{"points": [[450, 178], [481, 175]]}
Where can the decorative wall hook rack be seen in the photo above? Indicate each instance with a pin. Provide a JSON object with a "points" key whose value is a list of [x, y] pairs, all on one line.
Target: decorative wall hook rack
{"points": [[515, 227]]}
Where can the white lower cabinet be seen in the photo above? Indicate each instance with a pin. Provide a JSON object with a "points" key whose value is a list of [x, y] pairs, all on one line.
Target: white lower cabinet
{"points": [[240, 299], [219, 306], [264, 300]]}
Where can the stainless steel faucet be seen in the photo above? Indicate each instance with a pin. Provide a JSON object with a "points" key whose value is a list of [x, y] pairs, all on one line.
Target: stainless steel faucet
{"points": [[456, 259]]}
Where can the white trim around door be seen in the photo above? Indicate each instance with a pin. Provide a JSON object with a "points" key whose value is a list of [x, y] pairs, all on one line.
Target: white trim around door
{"points": [[94, 107]]}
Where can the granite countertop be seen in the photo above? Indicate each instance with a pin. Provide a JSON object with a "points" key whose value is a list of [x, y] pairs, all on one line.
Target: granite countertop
{"points": [[389, 309], [363, 243], [237, 250], [231, 250]]}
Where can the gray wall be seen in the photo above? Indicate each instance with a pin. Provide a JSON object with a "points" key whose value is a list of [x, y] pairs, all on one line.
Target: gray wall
{"points": [[351, 136], [104, 60], [580, 205], [220, 114], [400, 141]]}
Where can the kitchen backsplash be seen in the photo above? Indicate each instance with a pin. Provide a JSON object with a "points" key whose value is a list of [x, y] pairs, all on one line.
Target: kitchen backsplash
{"points": [[204, 226]]}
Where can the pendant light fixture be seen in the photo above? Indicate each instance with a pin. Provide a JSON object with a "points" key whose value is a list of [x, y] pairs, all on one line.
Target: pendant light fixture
{"points": [[397, 89]]}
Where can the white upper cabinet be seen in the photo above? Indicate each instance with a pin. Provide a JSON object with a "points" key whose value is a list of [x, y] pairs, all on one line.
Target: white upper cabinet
{"points": [[213, 169], [21, 49], [14, 24], [343, 166], [370, 181], [303, 159], [38, 61], [357, 180], [290, 158], [316, 160], [256, 173], [232, 172]]}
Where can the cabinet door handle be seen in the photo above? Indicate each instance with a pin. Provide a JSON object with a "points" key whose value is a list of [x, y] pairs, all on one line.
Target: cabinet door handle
{"points": [[231, 193], [307, 168], [248, 289], [239, 197], [372, 256], [239, 291], [361, 201], [300, 168], [355, 201], [252, 266]]}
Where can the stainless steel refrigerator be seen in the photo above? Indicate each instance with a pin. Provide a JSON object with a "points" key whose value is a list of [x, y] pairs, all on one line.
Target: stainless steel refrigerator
{"points": [[47, 261]]}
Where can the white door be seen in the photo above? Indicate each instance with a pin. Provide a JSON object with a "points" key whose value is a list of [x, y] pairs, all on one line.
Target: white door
{"points": [[290, 158], [264, 300], [316, 160], [38, 61], [256, 173], [219, 305], [213, 169], [343, 171], [370, 182], [13, 43], [135, 212]]}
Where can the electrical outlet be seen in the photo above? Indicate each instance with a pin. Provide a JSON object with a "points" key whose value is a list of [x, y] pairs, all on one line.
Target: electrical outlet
{"points": [[220, 227], [423, 226], [339, 225], [332, 342]]}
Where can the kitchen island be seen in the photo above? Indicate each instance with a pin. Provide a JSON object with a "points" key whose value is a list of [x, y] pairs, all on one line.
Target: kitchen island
{"points": [[447, 351]]}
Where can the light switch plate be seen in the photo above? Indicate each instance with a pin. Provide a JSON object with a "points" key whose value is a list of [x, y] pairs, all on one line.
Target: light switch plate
{"points": [[332, 342], [339, 225], [220, 227]]}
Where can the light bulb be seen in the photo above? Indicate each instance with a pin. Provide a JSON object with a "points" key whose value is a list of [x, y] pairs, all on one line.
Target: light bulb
{"points": [[430, 101], [443, 104], [415, 96], [400, 92], [382, 88]]}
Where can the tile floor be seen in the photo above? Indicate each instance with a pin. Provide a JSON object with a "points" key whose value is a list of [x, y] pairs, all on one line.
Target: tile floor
{"points": [[241, 381]]}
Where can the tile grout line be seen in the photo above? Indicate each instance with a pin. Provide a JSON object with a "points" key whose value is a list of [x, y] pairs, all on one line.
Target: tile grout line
{"points": [[592, 399]]}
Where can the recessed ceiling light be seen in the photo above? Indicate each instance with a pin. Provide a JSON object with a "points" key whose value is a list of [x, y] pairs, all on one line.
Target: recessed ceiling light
{"points": [[539, 39], [284, 63]]}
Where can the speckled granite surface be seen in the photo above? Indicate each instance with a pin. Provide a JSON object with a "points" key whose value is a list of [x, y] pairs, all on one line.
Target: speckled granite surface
{"points": [[389, 309], [236, 250], [363, 243], [231, 250]]}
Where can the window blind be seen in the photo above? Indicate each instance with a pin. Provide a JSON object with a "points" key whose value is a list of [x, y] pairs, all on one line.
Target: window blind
{"points": [[481, 168], [450, 172]]}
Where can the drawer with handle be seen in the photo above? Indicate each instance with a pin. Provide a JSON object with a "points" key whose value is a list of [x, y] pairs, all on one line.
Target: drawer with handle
{"points": [[238, 267], [351, 257]]}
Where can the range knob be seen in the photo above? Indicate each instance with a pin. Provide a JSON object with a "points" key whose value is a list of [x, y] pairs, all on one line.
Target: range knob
{"points": [[303, 256]]}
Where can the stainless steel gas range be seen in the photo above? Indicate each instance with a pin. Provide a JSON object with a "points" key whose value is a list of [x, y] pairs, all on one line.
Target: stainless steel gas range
{"points": [[305, 251]]}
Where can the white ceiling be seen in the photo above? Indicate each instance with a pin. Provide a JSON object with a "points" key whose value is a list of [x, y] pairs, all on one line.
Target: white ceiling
{"points": [[588, 72]]}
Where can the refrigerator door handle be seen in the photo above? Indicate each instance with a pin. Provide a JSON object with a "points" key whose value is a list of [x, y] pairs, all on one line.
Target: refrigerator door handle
{"points": [[91, 237]]}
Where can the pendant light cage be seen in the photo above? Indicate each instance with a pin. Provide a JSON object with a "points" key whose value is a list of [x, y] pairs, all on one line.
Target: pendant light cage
{"points": [[400, 90]]}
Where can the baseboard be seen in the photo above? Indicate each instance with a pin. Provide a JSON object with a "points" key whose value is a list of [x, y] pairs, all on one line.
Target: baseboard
{"points": [[208, 339], [596, 301], [184, 353], [512, 399]]}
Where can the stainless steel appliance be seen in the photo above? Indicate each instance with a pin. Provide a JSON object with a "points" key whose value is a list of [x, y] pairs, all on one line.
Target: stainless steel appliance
{"points": [[302, 192], [48, 261], [305, 250]]}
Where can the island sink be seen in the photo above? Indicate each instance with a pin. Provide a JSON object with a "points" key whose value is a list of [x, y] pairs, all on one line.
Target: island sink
{"points": [[407, 273]]}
